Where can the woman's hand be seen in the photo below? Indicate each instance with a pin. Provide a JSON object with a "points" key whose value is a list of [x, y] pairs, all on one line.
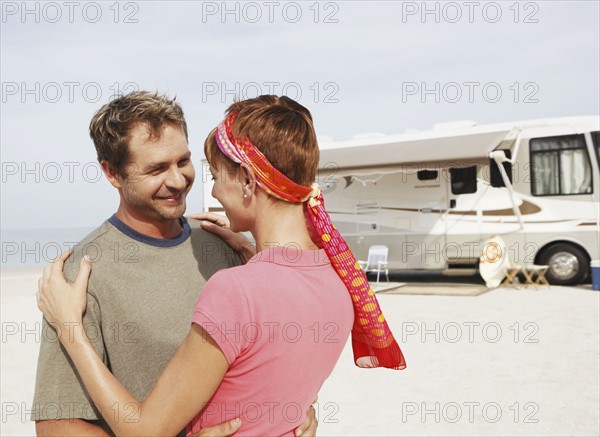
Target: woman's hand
{"points": [[61, 302], [219, 225]]}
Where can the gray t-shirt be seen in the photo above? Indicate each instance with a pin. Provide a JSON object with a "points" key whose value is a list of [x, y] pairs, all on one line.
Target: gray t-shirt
{"points": [[141, 298]]}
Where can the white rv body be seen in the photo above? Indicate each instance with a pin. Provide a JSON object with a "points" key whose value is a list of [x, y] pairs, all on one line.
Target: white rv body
{"points": [[385, 190]]}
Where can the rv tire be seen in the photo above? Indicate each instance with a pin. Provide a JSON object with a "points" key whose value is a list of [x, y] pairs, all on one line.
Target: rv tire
{"points": [[568, 264]]}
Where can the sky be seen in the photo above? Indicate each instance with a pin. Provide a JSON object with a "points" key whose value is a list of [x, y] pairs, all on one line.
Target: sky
{"points": [[359, 67]]}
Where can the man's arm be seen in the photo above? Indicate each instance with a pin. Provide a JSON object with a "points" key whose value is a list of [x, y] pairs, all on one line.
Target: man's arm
{"points": [[61, 406], [57, 384], [68, 427], [307, 429]]}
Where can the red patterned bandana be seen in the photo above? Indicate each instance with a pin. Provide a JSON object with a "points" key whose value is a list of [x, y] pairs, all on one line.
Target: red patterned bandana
{"points": [[372, 341]]}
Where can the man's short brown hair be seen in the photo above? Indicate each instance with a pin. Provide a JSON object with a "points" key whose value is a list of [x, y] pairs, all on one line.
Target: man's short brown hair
{"points": [[111, 126], [281, 128]]}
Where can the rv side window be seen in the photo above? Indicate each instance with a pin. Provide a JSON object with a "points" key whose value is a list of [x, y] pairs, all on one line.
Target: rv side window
{"points": [[463, 180], [560, 166], [596, 140], [427, 175]]}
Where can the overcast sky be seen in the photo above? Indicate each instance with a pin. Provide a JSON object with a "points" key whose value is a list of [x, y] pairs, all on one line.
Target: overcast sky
{"points": [[358, 66]]}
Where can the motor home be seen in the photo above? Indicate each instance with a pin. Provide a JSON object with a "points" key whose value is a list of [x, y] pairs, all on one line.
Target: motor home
{"points": [[435, 197]]}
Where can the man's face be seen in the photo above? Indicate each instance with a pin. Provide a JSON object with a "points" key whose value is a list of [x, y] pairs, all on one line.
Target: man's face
{"points": [[159, 173]]}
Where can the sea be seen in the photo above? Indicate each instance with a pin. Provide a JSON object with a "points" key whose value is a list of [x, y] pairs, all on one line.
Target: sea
{"points": [[27, 248]]}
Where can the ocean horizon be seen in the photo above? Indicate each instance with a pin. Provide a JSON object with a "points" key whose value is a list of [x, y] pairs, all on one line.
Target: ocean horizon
{"points": [[36, 247]]}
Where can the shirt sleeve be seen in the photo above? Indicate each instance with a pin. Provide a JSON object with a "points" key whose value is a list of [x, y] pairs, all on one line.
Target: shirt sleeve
{"points": [[59, 393], [223, 311]]}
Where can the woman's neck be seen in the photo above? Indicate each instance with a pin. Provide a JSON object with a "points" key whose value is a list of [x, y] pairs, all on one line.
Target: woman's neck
{"points": [[281, 225]]}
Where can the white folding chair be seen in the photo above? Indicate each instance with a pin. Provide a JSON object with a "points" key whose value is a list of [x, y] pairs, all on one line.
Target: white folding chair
{"points": [[376, 261]]}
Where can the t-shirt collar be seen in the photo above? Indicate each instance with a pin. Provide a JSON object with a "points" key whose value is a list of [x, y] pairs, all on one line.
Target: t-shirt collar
{"points": [[152, 241]]}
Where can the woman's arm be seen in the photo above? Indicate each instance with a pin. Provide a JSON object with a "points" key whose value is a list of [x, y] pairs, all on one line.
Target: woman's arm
{"points": [[185, 385]]}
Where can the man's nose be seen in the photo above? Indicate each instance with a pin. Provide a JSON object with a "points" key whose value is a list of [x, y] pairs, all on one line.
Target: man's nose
{"points": [[176, 179]]}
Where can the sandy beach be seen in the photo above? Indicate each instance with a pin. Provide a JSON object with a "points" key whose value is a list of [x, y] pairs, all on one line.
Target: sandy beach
{"points": [[506, 362]]}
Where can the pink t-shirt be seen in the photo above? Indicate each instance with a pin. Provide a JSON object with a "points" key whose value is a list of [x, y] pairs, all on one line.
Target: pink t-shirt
{"points": [[282, 321]]}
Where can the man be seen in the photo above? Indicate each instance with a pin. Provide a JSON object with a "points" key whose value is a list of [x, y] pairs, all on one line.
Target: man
{"points": [[150, 264]]}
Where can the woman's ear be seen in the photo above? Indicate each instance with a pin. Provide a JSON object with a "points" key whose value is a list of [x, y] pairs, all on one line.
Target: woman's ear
{"points": [[248, 180]]}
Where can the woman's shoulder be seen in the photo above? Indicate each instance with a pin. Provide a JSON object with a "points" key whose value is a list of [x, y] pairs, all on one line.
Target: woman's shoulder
{"points": [[239, 281], [234, 278]]}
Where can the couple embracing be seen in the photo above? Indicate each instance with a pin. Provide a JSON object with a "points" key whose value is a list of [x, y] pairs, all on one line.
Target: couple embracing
{"points": [[188, 332]]}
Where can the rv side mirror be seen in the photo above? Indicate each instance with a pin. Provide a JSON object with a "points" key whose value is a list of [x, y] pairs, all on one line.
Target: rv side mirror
{"points": [[495, 176]]}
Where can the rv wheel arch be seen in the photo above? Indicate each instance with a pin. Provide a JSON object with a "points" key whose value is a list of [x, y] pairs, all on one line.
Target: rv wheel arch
{"points": [[569, 262]]}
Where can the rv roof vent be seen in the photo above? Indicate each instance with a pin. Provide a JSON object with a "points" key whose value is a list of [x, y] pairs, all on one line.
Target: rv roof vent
{"points": [[454, 125], [368, 135]]}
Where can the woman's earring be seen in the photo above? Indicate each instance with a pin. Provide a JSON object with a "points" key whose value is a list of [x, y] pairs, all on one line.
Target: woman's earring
{"points": [[245, 195]]}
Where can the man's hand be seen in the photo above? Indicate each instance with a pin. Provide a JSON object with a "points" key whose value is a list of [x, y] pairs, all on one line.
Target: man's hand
{"points": [[219, 225], [309, 426], [223, 430], [307, 429]]}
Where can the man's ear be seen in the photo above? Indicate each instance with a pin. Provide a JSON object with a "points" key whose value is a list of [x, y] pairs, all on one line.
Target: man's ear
{"points": [[112, 174], [248, 179]]}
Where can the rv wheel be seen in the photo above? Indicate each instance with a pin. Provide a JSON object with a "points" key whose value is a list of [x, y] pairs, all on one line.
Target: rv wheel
{"points": [[568, 264]]}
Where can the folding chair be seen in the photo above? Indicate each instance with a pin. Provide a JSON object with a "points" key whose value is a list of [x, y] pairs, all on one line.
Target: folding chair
{"points": [[540, 273], [376, 261], [512, 271]]}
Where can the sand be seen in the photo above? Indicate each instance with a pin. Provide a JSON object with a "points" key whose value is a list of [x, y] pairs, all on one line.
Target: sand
{"points": [[507, 362]]}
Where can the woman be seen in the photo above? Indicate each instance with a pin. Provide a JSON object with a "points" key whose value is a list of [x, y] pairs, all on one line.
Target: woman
{"points": [[265, 335]]}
